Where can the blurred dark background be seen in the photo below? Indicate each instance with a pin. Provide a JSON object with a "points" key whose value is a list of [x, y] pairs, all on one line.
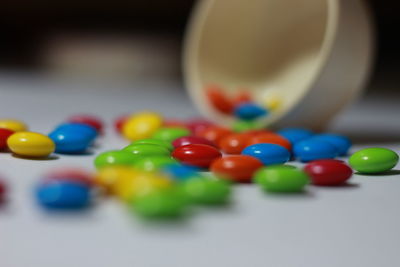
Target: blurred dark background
{"points": [[31, 33]]}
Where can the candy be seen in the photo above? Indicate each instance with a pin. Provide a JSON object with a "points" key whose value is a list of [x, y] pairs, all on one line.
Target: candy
{"points": [[141, 125], [4, 134], [219, 100], [73, 175], [154, 163], [147, 150], [328, 172], [241, 98], [268, 154], [70, 142], [198, 125], [115, 158], [30, 144], [249, 111], [85, 130], [160, 204], [108, 176], [170, 134], [174, 123], [206, 190], [180, 172], [240, 126], [313, 149], [342, 143], [13, 125], [295, 135], [270, 138], [373, 160], [119, 123], [187, 140], [3, 190], [153, 141], [238, 168], [90, 120], [214, 133], [63, 195], [196, 155], [281, 179], [233, 143], [273, 102]]}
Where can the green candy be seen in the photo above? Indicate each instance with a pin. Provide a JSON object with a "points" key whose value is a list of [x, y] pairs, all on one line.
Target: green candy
{"points": [[373, 160], [115, 157], [160, 203], [147, 150], [243, 126], [169, 134], [153, 141], [154, 163], [206, 190], [281, 178]]}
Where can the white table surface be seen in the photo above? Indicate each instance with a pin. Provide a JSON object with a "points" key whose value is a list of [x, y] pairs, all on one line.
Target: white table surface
{"points": [[357, 225]]}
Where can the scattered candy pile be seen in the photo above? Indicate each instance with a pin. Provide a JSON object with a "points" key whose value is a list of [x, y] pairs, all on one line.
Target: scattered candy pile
{"points": [[173, 164]]}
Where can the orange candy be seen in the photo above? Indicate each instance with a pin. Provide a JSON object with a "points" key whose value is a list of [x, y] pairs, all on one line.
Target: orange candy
{"points": [[241, 97], [219, 100], [238, 168], [269, 138], [234, 143], [214, 133]]}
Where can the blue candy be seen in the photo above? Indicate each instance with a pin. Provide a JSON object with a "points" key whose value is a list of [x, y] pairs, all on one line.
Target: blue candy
{"points": [[63, 195], [80, 128], [342, 143], [295, 135], [313, 149], [249, 111], [69, 142], [181, 172], [268, 154]]}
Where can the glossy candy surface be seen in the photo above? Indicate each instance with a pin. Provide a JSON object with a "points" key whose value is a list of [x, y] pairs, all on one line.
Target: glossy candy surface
{"points": [[214, 133], [374, 160], [342, 143], [90, 120], [187, 140], [63, 195], [153, 141], [70, 142], [240, 126], [281, 179], [198, 125], [147, 150], [170, 134], [234, 143], [268, 154], [269, 138], [313, 149], [238, 168], [206, 190], [108, 176], [13, 125], [115, 158], [85, 130], [328, 172], [295, 135], [196, 155], [30, 144], [180, 172], [4, 134], [249, 111], [218, 100], [141, 125], [154, 163]]}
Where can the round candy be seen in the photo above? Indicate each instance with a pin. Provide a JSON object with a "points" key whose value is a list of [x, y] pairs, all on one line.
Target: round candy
{"points": [[313, 149], [119, 122], [206, 190], [281, 179], [90, 120], [13, 125], [69, 175], [4, 134], [160, 204], [219, 100], [373, 160], [198, 125], [238, 168], [295, 135], [196, 155], [241, 126], [241, 98], [147, 150], [154, 163], [328, 172], [181, 172], [214, 133], [30, 144], [342, 143], [63, 195], [234, 143], [170, 134], [268, 154], [115, 158], [187, 140], [270, 138], [153, 141], [85, 130], [70, 142], [249, 111], [108, 176], [141, 125]]}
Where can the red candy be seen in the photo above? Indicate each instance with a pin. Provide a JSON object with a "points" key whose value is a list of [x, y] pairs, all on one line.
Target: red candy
{"points": [[196, 155], [71, 175], [241, 97], [214, 133], [328, 172], [269, 138], [187, 140], [119, 122], [2, 191], [88, 120], [4, 134], [219, 100], [234, 143], [198, 125], [174, 123], [238, 168]]}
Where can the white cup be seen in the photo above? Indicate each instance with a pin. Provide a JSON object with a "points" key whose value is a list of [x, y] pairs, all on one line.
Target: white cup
{"points": [[313, 55]]}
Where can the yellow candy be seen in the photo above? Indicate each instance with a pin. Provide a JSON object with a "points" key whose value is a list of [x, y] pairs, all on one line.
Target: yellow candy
{"points": [[107, 177], [273, 103], [30, 144], [141, 125], [14, 125], [142, 183]]}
